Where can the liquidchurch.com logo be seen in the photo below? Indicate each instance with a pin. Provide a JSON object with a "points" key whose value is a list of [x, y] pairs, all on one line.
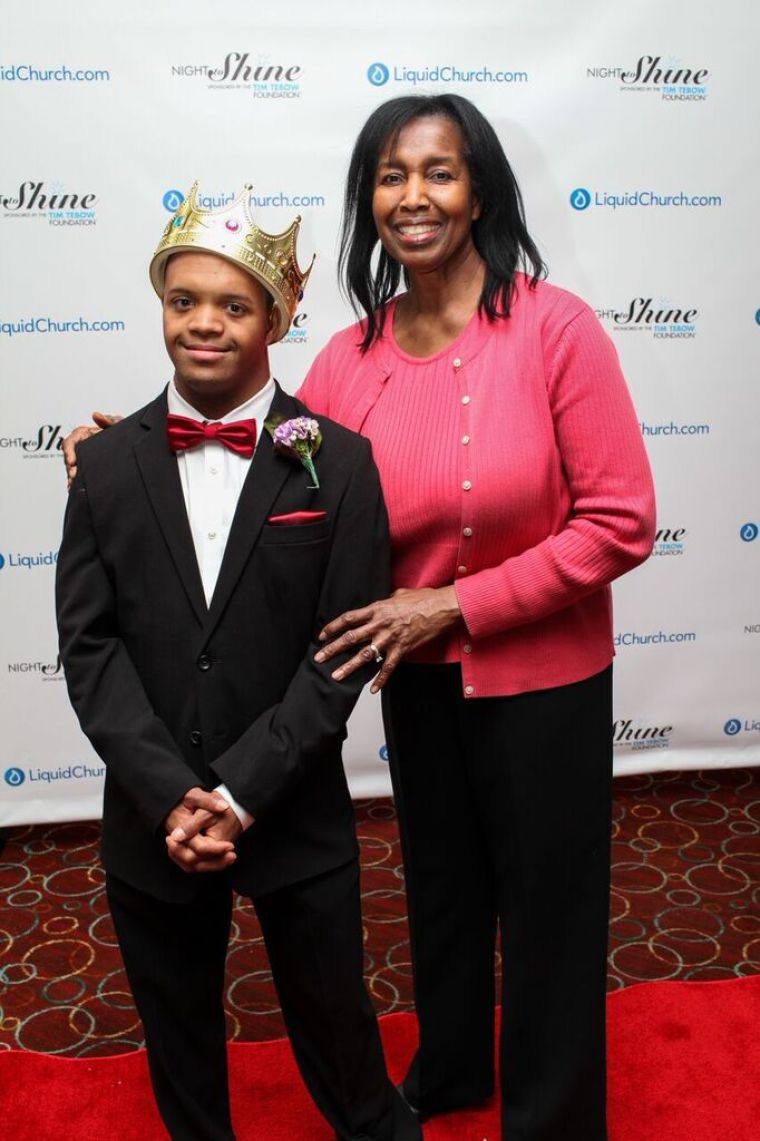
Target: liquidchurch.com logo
{"points": [[378, 74]]}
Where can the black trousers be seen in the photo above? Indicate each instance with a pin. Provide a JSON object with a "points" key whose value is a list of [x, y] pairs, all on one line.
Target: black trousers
{"points": [[505, 809], [174, 955]]}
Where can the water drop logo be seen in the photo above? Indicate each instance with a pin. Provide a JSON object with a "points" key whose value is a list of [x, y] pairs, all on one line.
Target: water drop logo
{"points": [[14, 777], [383, 753], [749, 532], [172, 200], [732, 727], [580, 199], [378, 74]]}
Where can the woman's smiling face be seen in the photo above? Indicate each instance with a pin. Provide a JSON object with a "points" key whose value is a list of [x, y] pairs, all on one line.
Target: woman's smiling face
{"points": [[423, 202]]}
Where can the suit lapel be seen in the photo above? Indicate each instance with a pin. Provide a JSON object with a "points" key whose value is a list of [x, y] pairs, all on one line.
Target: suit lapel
{"points": [[265, 478], [158, 468]]}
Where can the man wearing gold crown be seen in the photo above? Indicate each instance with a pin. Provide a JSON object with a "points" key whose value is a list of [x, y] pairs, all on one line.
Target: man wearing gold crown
{"points": [[205, 545]]}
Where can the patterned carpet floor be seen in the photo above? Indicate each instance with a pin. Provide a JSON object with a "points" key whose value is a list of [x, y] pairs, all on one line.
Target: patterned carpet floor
{"points": [[685, 906]]}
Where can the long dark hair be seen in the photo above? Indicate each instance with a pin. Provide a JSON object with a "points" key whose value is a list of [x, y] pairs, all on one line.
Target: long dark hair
{"points": [[500, 234]]}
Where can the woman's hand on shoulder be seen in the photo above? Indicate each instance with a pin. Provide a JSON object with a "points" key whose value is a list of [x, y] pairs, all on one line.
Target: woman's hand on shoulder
{"points": [[389, 629], [83, 432]]}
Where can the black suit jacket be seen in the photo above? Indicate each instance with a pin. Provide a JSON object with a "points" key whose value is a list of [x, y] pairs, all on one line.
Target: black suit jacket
{"points": [[172, 694]]}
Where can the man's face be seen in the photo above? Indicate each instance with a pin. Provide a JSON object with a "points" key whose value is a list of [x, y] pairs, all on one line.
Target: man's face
{"points": [[218, 323]]}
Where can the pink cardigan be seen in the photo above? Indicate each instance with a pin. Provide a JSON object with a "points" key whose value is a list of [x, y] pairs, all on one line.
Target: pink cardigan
{"points": [[513, 466]]}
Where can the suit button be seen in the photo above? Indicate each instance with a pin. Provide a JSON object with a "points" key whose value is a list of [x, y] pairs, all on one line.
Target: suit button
{"points": [[204, 662], [195, 737]]}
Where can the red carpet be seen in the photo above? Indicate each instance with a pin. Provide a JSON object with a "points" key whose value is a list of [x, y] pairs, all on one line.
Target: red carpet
{"points": [[684, 1065]]}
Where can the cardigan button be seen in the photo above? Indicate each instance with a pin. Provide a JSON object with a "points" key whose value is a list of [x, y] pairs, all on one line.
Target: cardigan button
{"points": [[467, 532], [466, 485], [457, 363], [469, 690], [465, 400], [465, 439], [461, 570], [467, 648]]}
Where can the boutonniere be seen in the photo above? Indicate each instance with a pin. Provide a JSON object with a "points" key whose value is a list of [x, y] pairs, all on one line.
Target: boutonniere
{"points": [[299, 438]]}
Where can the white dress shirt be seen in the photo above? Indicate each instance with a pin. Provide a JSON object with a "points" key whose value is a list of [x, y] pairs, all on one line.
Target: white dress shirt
{"points": [[212, 478]]}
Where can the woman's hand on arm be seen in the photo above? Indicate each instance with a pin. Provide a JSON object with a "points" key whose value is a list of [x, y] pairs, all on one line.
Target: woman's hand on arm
{"points": [[83, 432], [389, 629]]}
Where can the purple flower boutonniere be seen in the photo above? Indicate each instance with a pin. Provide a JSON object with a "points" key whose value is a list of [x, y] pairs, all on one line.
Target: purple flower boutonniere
{"points": [[299, 438]]}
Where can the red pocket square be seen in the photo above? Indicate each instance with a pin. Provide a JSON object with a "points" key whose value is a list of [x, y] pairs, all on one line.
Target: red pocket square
{"points": [[296, 518]]}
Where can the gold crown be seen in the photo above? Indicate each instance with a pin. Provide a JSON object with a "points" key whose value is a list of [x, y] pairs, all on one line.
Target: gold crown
{"points": [[231, 232]]}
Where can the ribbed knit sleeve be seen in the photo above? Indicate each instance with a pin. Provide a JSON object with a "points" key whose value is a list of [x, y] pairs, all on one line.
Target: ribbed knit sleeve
{"points": [[315, 390], [610, 521], [336, 385]]}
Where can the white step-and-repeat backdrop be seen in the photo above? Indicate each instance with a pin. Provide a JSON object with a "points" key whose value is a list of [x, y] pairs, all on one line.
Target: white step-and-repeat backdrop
{"points": [[634, 132]]}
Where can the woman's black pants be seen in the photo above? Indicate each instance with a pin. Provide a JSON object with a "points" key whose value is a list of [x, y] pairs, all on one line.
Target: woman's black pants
{"points": [[505, 812]]}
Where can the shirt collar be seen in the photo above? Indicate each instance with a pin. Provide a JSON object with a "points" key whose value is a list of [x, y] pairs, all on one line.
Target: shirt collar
{"points": [[254, 409]]}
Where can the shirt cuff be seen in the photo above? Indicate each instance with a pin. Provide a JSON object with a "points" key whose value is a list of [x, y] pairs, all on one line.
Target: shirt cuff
{"points": [[243, 815]]}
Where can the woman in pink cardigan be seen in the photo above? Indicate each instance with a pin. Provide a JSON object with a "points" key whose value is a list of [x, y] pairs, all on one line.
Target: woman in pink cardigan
{"points": [[517, 487]]}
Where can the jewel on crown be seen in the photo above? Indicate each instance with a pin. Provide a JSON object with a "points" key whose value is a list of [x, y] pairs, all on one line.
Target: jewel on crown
{"points": [[231, 232]]}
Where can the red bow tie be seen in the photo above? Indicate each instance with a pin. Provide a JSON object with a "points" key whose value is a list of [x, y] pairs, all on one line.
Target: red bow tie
{"points": [[183, 432]]}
